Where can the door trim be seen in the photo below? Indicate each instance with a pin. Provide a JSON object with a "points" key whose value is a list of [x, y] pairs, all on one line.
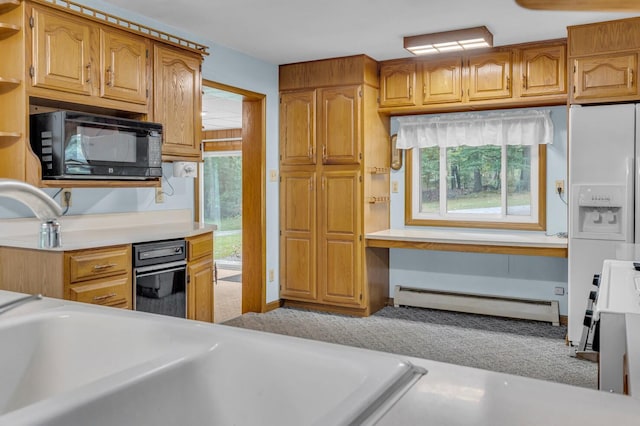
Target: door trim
{"points": [[254, 292]]}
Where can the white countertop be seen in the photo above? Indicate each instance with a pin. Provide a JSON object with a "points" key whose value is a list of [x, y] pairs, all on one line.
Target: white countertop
{"points": [[455, 396], [523, 239], [619, 289], [89, 231], [447, 395]]}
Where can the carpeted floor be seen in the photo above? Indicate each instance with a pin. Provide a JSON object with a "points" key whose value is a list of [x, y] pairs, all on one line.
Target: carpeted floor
{"points": [[526, 348]]}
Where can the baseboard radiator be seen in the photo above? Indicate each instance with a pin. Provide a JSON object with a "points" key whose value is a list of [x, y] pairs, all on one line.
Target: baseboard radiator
{"points": [[539, 310]]}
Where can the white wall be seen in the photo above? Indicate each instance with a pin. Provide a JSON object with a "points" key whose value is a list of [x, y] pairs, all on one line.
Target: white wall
{"points": [[224, 66], [490, 274]]}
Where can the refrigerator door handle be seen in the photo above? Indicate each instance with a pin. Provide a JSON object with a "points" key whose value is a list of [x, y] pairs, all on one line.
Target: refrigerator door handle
{"points": [[631, 202]]}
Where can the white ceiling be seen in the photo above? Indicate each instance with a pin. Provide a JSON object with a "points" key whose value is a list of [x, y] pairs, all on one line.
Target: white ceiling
{"points": [[286, 31]]}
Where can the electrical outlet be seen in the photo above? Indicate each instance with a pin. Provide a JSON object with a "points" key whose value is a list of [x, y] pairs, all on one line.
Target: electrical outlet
{"points": [[65, 198], [558, 291], [271, 275], [394, 186], [159, 195], [560, 186]]}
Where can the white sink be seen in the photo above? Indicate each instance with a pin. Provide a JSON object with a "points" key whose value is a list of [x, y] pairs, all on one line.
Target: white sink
{"points": [[252, 378], [81, 364], [48, 353]]}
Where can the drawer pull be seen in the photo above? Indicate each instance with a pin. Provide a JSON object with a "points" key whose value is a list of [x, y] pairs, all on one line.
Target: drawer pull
{"points": [[105, 266], [105, 297]]}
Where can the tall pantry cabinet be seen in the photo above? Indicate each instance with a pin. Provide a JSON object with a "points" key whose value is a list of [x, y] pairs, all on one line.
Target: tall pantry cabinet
{"points": [[334, 185]]}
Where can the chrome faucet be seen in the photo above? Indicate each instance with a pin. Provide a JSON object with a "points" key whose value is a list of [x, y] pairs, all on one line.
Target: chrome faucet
{"points": [[17, 302], [43, 206]]}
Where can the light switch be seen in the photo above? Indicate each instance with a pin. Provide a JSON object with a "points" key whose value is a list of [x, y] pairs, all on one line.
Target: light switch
{"points": [[273, 175]]}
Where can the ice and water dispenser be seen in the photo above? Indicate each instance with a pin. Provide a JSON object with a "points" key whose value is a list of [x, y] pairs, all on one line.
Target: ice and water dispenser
{"points": [[602, 212]]}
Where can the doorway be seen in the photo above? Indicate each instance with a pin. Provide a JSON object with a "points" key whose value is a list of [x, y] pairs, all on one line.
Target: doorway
{"points": [[234, 144]]}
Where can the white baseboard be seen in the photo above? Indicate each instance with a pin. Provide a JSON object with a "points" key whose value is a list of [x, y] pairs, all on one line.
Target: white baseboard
{"points": [[539, 310]]}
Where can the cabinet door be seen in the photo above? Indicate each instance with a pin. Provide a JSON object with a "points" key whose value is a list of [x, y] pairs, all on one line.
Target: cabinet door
{"points": [[177, 101], [340, 256], [61, 52], [124, 66], [441, 80], [298, 128], [200, 290], [298, 235], [397, 82], [339, 122], [490, 76], [543, 70], [600, 77]]}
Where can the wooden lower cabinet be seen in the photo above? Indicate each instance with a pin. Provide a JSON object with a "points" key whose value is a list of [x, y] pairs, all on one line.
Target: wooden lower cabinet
{"points": [[340, 254], [200, 290], [100, 276], [200, 277], [298, 235]]}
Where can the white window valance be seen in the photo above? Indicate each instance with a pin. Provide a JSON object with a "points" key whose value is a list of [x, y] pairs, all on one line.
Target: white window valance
{"points": [[522, 127]]}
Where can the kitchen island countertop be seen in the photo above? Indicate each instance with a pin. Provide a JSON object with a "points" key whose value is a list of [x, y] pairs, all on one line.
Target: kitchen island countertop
{"points": [[90, 231]]}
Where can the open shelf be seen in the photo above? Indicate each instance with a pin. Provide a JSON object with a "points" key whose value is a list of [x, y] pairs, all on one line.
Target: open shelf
{"points": [[7, 5], [10, 135], [9, 82], [100, 183], [7, 30]]}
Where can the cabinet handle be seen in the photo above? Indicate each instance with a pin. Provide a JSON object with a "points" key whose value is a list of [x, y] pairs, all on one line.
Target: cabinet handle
{"points": [[105, 266], [630, 77], [324, 152], [310, 152], [110, 76], [524, 81], [323, 182], [508, 82], [105, 297], [410, 91], [88, 80]]}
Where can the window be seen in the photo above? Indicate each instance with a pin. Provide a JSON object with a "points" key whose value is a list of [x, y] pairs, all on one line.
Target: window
{"points": [[474, 174]]}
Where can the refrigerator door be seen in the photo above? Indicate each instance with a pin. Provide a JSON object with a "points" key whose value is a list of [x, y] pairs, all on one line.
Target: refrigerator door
{"points": [[601, 152]]}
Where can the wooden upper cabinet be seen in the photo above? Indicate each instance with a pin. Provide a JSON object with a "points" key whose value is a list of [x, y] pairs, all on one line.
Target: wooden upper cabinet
{"points": [[442, 80], [298, 235], [605, 76], [177, 101], [124, 65], [397, 84], [340, 257], [543, 70], [298, 127], [490, 76], [339, 124], [61, 52]]}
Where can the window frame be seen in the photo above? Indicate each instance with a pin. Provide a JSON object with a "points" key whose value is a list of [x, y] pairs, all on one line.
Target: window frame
{"points": [[537, 225]]}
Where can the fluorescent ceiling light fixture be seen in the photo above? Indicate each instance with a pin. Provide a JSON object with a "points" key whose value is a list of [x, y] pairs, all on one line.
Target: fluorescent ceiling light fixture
{"points": [[447, 41]]}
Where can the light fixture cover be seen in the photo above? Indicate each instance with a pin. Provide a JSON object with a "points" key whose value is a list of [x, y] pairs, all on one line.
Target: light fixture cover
{"points": [[447, 41]]}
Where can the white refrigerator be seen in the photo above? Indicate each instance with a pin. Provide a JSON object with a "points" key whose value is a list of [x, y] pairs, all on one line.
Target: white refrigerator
{"points": [[603, 179]]}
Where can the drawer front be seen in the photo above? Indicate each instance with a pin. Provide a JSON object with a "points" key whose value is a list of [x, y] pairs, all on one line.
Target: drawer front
{"points": [[200, 246], [114, 292], [90, 264]]}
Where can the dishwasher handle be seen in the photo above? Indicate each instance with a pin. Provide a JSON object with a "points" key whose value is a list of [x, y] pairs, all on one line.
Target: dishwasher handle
{"points": [[146, 271]]}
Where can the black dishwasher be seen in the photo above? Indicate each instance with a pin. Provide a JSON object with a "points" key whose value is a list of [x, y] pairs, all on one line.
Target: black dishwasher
{"points": [[160, 277]]}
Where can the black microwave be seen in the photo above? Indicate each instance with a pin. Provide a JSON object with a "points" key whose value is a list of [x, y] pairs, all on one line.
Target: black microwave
{"points": [[76, 145]]}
